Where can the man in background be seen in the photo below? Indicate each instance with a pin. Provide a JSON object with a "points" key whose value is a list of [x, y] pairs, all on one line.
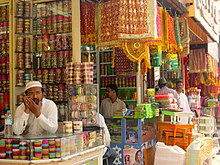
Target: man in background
{"points": [[36, 115], [112, 103], [184, 104], [162, 83]]}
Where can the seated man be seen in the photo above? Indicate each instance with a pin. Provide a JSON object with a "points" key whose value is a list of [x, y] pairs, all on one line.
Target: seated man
{"points": [[108, 152], [37, 115]]}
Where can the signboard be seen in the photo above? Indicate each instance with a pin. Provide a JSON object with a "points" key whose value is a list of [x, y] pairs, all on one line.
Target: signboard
{"points": [[205, 11]]}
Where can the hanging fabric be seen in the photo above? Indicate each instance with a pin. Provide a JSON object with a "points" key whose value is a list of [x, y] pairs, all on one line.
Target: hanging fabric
{"points": [[131, 20], [87, 22]]}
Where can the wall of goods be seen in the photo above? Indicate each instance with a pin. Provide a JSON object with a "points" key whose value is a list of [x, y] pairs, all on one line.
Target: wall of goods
{"points": [[116, 68], [43, 47], [4, 60]]}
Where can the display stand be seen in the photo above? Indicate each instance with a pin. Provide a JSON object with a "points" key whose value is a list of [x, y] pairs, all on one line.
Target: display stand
{"points": [[91, 155], [134, 140]]}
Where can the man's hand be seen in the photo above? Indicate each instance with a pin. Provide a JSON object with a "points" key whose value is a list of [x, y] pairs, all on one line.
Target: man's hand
{"points": [[33, 107], [26, 110]]}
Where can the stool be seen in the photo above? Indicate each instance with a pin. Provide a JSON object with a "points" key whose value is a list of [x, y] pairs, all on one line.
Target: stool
{"points": [[105, 161]]}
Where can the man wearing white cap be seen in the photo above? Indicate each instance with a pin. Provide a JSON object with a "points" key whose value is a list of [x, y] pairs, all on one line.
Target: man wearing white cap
{"points": [[37, 115]]}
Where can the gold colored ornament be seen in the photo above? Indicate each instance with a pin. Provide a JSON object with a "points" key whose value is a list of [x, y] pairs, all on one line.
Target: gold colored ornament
{"points": [[135, 51]]}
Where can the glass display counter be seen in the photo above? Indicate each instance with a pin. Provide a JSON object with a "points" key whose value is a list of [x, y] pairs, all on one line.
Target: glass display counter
{"points": [[60, 148], [132, 138]]}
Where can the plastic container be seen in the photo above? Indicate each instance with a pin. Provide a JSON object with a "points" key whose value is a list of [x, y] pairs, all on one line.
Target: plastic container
{"points": [[8, 124]]}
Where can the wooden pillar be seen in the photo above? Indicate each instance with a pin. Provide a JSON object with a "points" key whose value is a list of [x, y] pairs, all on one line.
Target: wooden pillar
{"points": [[76, 38]]}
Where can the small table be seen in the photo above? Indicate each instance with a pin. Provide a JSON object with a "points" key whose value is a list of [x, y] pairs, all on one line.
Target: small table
{"points": [[175, 116]]}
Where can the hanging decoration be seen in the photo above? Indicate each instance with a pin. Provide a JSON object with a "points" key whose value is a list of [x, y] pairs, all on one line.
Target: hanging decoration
{"points": [[157, 40], [87, 22], [184, 35], [177, 35], [155, 55], [172, 62], [131, 20], [138, 52]]}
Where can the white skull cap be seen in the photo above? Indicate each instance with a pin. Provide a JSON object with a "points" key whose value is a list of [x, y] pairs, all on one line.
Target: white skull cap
{"points": [[32, 84]]}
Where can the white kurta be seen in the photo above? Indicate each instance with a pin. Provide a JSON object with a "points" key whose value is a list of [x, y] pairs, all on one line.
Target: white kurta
{"points": [[46, 123], [184, 104]]}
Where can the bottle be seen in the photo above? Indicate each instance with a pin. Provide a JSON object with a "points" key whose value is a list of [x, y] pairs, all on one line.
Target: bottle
{"points": [[8, 124]]}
